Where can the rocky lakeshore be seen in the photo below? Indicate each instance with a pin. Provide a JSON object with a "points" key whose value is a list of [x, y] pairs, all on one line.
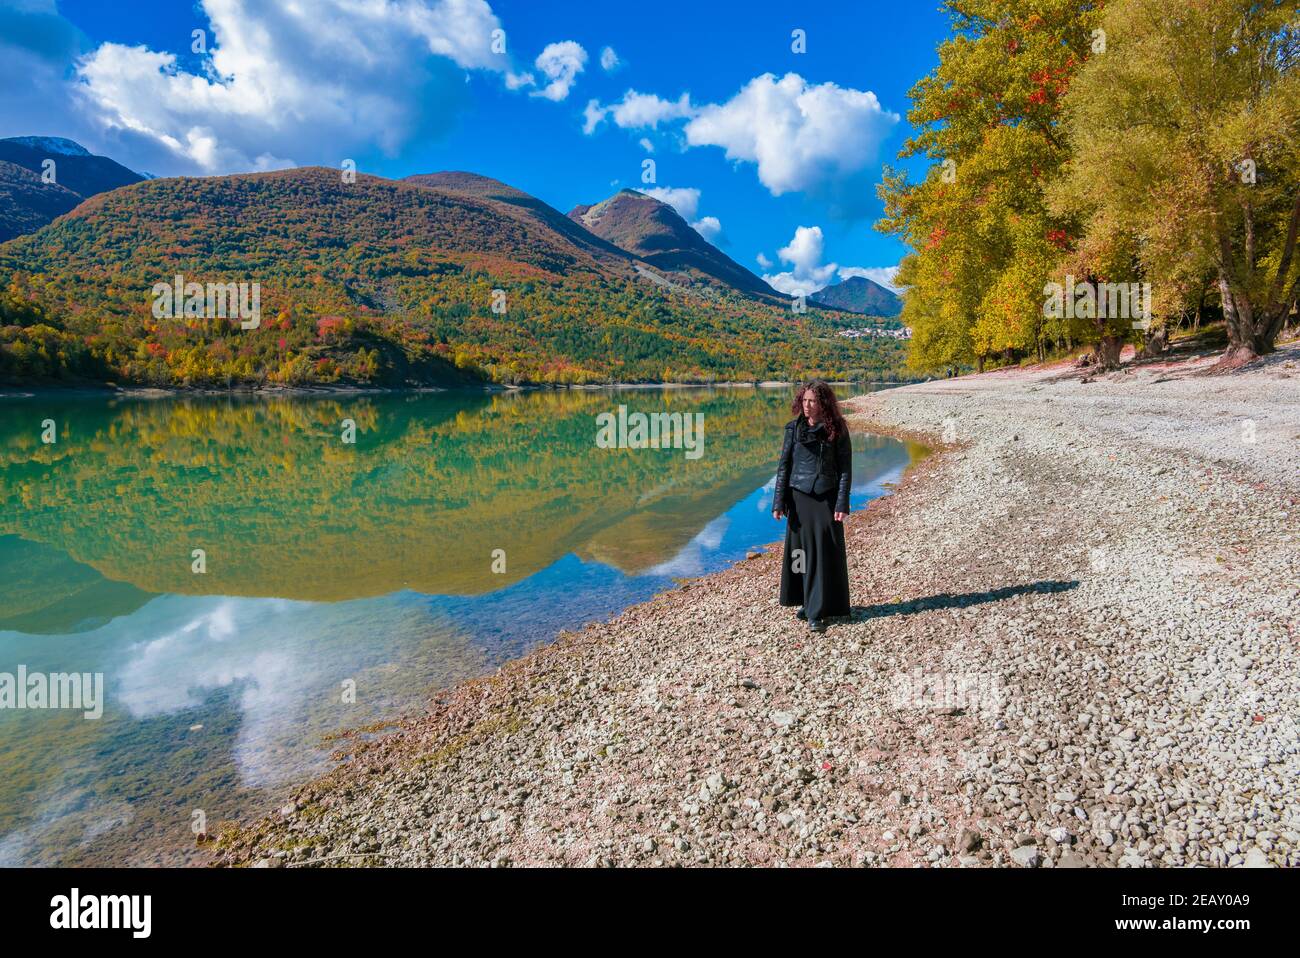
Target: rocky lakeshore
{"points": [[1074, 643]]}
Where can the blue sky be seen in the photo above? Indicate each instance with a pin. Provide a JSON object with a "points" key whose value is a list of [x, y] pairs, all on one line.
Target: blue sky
{"points": [[774, 154]]}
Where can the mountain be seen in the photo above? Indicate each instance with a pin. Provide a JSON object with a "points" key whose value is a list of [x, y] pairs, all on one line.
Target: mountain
{"points": [[27, 203], [50, 144], [857, 294], [443, 279], [654, 233], [485, 189], [75, 168], [77, 175]]}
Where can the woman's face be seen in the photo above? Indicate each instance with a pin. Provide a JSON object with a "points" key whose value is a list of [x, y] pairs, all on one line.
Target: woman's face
{"points": [[811, 408]]}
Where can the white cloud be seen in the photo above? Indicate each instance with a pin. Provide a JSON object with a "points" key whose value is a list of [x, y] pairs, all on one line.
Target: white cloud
{"points": [[799, 135], [805, 249], [808, 273], [684, 199], [515, 81], [646, 109], [37, 47], [789, 284], [560, 63], [646, 144], [709, 227], [884, 275], [804, 254], [609, 60], [296, 82], [593, 114], [637, 111], [802, 137]]}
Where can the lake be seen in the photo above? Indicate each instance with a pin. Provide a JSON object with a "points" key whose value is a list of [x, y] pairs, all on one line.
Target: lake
{"points": [[249, 582]]}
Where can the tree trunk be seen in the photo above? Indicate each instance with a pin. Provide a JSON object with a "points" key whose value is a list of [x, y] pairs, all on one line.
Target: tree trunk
{"points": [[1253, 327], [1106, 353], [1108, 350], [1153, 343], [1245, 343]]}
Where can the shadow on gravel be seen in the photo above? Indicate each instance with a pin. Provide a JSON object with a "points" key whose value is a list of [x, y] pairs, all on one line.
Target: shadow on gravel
{"points": [[946, 600]]}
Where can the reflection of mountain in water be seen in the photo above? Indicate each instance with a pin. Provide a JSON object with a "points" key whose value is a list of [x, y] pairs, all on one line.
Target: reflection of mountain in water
{"points": [[433, 484], [650, 533], [48, 593]]}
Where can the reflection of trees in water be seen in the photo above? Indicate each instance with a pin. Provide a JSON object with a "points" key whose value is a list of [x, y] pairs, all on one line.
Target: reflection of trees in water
{"points": [[432, 485]]}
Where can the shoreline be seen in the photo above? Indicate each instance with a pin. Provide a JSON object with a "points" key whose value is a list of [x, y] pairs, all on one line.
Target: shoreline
{"points": [[1071, 645], [82, 391]]}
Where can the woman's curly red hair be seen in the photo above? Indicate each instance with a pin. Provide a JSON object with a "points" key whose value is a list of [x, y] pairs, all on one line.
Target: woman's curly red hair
{"points": [[830, 406]]}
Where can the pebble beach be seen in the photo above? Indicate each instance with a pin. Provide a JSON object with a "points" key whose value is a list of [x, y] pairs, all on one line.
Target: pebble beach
{"points": [[1073, 644]]}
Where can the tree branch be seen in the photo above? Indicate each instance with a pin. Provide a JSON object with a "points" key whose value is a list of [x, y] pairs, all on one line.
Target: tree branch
{"points": [[1288, 248]]}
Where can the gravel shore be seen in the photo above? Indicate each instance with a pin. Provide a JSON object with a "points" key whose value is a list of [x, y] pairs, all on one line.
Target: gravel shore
{"points": [[1074, 642]]}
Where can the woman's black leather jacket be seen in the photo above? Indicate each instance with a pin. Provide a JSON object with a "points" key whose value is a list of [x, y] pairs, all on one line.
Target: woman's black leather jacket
{"points": [[812, 464]]}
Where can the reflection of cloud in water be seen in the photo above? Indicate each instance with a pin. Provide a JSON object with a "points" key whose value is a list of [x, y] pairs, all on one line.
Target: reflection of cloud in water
{"points": [[227, 646], [691, 559], [12, 848], [262, 677], [284, 663], [141, 690], [68, 807], [876, 486], [105, 817]]}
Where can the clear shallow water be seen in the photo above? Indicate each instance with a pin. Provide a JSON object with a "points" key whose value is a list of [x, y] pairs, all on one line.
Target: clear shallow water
{"points": [[327, 563]]}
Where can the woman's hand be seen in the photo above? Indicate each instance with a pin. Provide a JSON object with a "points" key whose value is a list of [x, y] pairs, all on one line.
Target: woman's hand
{"points": [[841, 516], [778, 515]]}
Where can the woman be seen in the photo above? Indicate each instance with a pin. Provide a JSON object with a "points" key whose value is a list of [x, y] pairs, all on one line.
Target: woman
{"points": [[812, 490]]}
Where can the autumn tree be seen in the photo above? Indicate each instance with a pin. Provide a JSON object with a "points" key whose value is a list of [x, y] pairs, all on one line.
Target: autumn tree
{"points": [[983, 239], [1183, 149]]}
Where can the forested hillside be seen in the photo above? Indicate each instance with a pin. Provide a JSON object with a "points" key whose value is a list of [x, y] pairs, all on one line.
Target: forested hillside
{"points": [[27, 203], [378, 282]]}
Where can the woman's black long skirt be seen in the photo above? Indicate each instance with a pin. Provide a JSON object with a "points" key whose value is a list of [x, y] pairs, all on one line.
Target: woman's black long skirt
{"points": [[817, 577]]}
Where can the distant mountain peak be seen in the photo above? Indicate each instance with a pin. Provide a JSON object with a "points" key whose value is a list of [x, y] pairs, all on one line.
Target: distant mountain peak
{"points": [[857, 294], [654, 232], [50, 144], [35, 188]]}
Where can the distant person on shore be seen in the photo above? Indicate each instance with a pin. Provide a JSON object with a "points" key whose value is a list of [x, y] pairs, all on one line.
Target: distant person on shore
{"points": [[812, 494]]}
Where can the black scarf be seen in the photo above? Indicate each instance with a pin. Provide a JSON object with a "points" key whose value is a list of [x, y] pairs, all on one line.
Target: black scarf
{"points": [[806, 433]]}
